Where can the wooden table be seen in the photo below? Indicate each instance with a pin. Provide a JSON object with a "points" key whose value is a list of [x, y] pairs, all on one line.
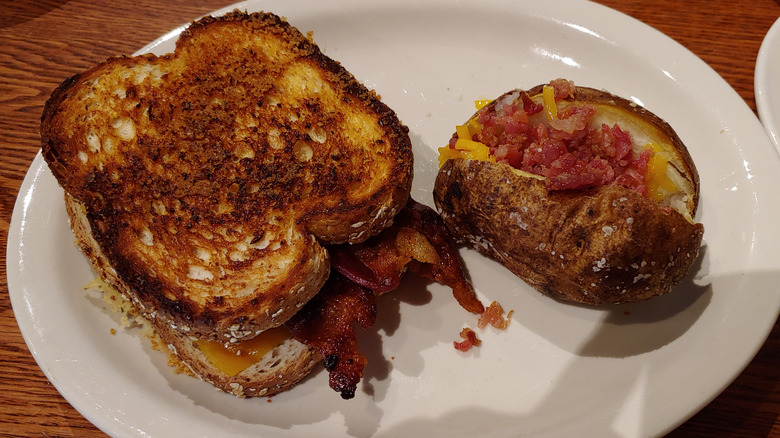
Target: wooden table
{"points": [[43, 42]]}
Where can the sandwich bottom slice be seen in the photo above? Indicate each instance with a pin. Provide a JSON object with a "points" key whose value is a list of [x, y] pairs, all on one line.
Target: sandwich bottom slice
{"points": [[267, 364], [270, 363]]}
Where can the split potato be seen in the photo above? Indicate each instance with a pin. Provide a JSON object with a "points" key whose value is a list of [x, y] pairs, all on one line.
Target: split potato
{"points": [[586, 196]]}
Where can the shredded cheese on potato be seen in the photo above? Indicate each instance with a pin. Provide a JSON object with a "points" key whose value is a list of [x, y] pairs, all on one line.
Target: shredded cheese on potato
{"points": [[466, 147], [659, 186], [481, 103], [548, 99]]}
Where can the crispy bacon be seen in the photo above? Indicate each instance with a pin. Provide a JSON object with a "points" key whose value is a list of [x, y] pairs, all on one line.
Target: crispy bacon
{"points": [[494, 315], [326, 324], [419, 241], [346, 262], [449, 270], [470, 339]]}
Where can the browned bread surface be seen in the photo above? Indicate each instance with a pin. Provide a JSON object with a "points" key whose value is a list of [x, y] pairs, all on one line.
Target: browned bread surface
{"points": [[208, 179]]}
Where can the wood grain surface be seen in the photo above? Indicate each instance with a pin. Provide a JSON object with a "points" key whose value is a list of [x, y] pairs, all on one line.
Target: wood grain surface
{"points": [[44, 42]]}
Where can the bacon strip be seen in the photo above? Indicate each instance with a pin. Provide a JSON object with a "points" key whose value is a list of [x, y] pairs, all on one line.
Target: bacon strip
{"points": [[419, 241], [326, 324], [448, 271], [379, 263], [346, 261]]}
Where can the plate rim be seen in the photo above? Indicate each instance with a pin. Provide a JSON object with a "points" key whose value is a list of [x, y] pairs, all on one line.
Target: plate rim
{"points": [[768, 111]]}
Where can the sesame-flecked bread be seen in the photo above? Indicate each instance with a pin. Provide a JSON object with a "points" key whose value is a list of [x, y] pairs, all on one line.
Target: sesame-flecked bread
{"points": [[203, 184], [285, 364], [278, 370]]}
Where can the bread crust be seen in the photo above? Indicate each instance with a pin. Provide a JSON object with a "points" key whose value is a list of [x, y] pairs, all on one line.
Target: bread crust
{"points": [[208, 180], [278, 370]]}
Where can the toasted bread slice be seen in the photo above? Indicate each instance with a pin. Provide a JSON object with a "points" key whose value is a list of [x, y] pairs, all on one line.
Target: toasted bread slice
{"points": [[282, 363], [209, 178]]}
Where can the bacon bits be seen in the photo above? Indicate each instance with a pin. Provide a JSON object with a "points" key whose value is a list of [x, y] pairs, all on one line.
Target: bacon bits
{"points": [[469, 340], [494, 315]]}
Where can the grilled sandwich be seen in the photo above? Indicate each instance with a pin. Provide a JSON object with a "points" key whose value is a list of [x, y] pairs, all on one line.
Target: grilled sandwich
{"points": [[205, 185]]}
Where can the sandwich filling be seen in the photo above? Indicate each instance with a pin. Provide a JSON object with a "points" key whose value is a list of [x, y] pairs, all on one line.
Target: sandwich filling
{"points": [[231, 359]]}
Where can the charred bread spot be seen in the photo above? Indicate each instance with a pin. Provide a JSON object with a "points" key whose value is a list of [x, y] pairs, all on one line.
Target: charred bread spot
{"points": [[580, 236], [455, 190]]}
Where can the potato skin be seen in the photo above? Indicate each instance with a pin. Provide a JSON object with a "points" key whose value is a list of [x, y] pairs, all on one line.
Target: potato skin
{"points": [[603, 245]]}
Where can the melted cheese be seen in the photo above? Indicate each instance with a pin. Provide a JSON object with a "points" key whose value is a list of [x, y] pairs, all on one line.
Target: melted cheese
{"points": [[659, 185], [231, 359], [479, 104], [466, 147], [463, 132], [474, 128]]}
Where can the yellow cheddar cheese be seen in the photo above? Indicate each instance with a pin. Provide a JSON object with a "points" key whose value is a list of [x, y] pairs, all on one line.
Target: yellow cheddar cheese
{"points": [[548, 98], [658, 183], [481, 103], [231, 359]]}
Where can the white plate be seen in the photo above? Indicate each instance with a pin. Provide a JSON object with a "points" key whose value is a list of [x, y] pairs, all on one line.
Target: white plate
{"points": [[559, 370], [767, 83]]}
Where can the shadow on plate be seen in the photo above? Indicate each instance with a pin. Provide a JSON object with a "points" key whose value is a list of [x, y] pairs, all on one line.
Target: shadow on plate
{"points": [[616, 405], [375, 380], [638, 328], [617, 331]]}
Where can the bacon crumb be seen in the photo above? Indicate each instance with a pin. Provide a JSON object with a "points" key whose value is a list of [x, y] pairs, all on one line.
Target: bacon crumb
{"points": [[469, 340], [494, 315]]}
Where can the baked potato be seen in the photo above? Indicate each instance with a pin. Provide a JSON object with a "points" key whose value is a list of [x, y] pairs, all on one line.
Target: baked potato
{"points": [[586, 196]]}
